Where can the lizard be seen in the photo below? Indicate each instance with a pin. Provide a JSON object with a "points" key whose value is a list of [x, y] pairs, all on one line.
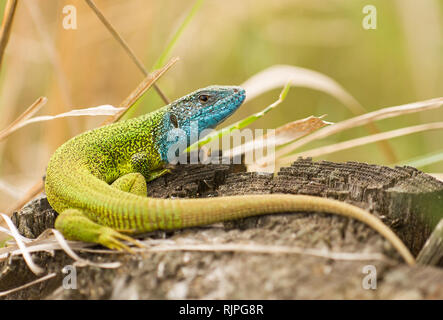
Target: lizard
{"points": [[97, 180]]}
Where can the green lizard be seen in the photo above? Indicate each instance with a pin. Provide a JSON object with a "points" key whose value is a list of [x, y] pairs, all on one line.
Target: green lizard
{"points": [[97, 180]]}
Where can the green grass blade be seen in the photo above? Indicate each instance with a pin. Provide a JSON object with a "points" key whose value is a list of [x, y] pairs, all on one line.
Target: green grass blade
{"points": [[165, 54], [423, 161], [242, 123]]}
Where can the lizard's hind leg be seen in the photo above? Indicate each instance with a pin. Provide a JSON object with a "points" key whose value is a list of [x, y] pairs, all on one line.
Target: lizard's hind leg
{"points": [[75, 225], [133, 183]]}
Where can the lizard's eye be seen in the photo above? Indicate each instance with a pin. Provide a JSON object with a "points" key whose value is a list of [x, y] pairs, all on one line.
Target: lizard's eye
{"points": [[203, 98]]}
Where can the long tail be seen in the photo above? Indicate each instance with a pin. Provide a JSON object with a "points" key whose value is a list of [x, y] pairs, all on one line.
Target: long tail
{"points": [[206, 211]]}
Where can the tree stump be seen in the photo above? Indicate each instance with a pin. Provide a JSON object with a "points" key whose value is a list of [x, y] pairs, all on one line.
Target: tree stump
{"points": [[407, 200]]}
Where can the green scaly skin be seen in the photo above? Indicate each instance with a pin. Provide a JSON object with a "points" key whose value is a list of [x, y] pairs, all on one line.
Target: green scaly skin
{"points": [[97, 180]]}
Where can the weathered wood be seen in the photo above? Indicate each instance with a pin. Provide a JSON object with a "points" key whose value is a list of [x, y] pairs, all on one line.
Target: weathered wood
{"points": [[34, 218], [432, 252], [406, 199]]}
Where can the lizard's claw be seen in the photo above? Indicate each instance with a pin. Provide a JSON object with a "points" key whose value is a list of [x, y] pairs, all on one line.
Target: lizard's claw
{"points": [[112, 239]]}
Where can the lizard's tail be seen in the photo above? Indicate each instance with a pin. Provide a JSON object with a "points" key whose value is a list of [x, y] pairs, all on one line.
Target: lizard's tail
{"points": [[133, 214], [198, 212]]}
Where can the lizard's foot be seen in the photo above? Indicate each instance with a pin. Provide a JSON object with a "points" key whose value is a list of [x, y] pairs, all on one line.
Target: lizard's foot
{"points": [[75, 225], [112, 239]]}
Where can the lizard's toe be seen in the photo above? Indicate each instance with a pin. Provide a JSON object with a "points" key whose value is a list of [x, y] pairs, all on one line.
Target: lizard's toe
{"points": [[112, 239], [130, 240]]}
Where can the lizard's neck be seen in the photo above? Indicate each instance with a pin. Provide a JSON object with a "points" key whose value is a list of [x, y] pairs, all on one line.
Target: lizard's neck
{"points": [[172, 134]]}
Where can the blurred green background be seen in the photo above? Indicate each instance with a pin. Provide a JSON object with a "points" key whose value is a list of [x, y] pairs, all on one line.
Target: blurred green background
{"points": [[226, 43]]}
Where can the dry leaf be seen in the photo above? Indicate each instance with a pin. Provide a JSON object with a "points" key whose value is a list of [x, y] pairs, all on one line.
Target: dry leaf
{"points": [[277, 76], [384, 113], [282, 135], [361, 141]]}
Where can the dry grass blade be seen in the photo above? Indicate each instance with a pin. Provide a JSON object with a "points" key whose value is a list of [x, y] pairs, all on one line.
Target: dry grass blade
{"points": [[265, 249], [277, 76], [140, 90], [80, 261], [49, 241], [116, 113], [361, 141], [17, 237], [282, 135], [44, 278], [36, 189], [104, 110], [5, 29], [16, 124], [45, 243], [9, 233], [125, 46], [361, 120]]}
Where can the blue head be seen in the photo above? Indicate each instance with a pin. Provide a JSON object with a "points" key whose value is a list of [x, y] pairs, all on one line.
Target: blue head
{"points": [[200, 110]]}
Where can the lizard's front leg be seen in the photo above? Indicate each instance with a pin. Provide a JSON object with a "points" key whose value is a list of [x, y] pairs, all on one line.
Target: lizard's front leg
{"points": [[133, 183], [140, 163]]}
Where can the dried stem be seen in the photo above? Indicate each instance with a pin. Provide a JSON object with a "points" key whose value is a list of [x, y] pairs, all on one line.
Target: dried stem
{"points": [[125, 46], [36, 106], [5, 29], [361, 141]]}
